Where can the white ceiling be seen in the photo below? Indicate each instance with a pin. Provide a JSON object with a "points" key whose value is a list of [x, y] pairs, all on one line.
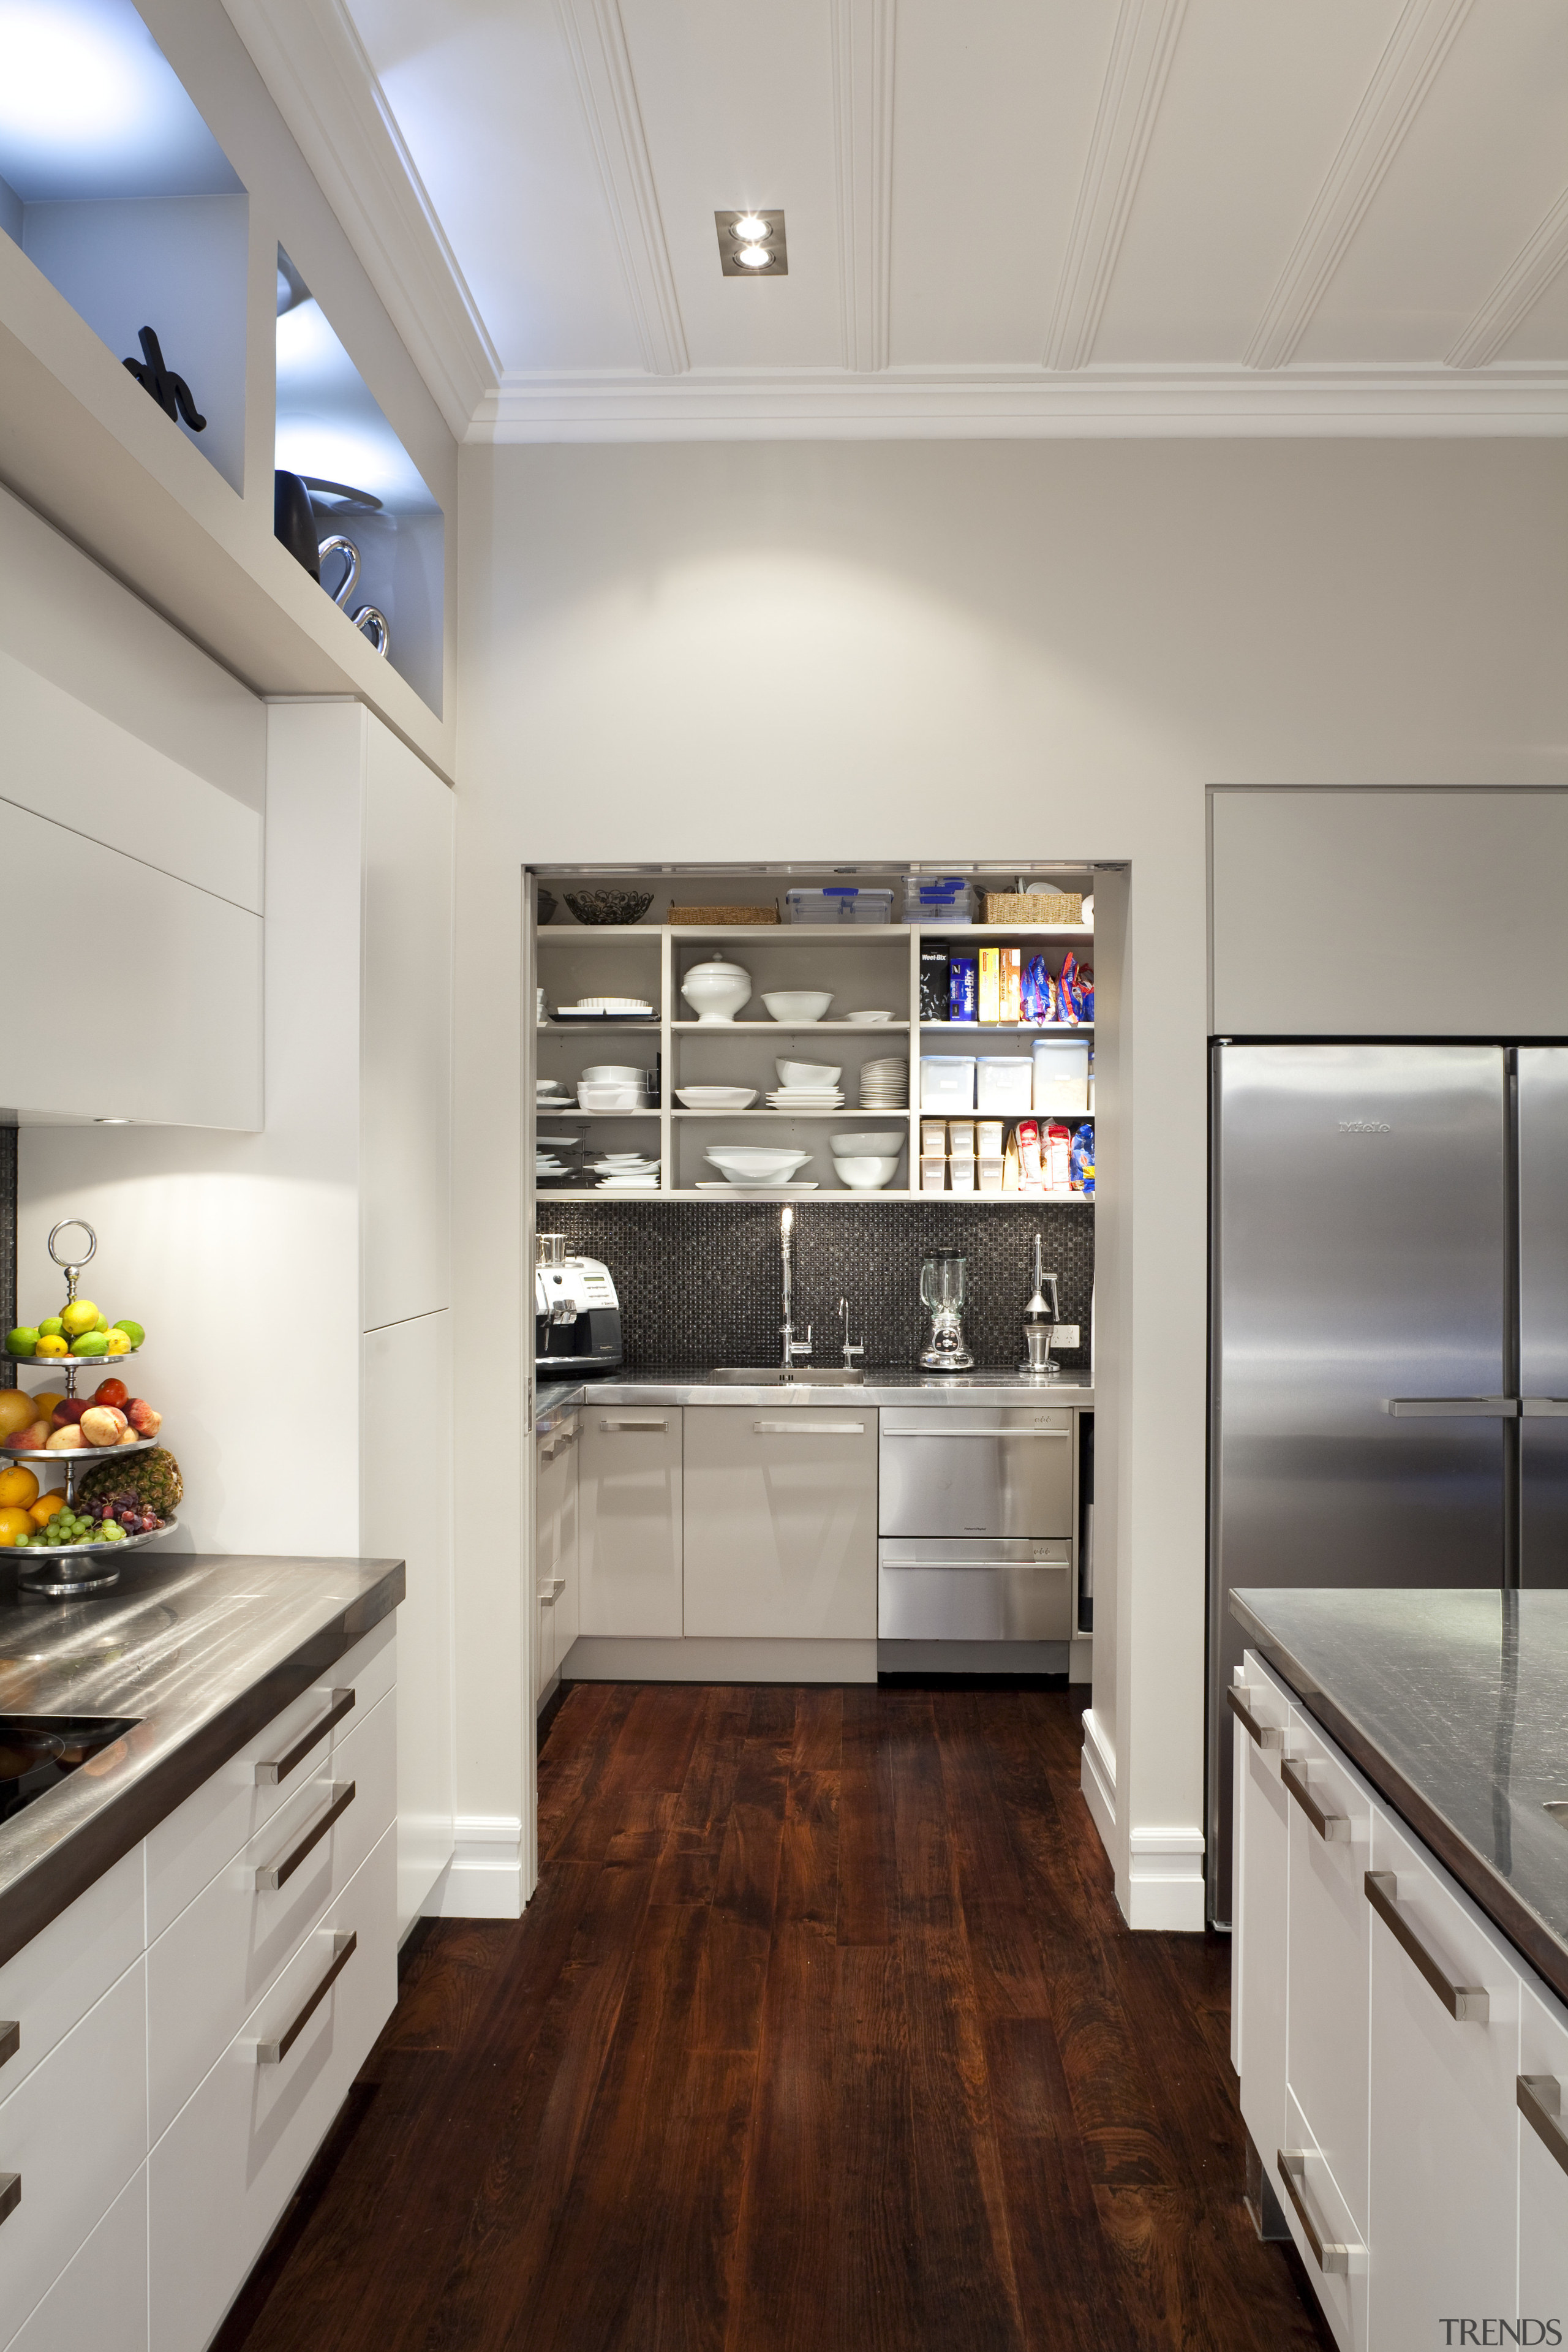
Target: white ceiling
{"points": [[1019, 215]]}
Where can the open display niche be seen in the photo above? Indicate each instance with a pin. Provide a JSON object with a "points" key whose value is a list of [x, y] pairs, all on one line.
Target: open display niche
{"points": [[364, 490], [867, 968], [115, 189]]}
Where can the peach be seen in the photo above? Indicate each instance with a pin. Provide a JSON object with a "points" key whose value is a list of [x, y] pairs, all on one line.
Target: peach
{"points": [[101, 1425], [145, 1419], [66, 1440]]}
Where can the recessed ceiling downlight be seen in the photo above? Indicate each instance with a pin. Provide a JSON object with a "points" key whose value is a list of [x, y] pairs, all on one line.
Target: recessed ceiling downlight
{"points": [[754, 256], [750, 241], [752, 229]]}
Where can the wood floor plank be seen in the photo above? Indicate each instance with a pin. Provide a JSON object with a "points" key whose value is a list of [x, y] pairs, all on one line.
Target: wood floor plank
{"points": [[864, 1824]]}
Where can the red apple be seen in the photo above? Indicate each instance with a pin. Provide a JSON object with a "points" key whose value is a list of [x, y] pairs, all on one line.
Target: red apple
{"points": [[145, 1419]]}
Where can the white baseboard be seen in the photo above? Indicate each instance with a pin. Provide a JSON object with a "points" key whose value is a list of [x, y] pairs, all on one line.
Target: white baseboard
{"points": [[701, 1658], [484, 1878], [1097, 1777], [1166, 1880]]}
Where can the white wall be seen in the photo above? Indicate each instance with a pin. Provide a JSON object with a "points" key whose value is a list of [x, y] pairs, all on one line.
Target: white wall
{"points": [[827, 652]]}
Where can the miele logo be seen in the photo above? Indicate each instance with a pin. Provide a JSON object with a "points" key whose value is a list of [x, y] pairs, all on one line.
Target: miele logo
{"points": [[1364, 1127]]}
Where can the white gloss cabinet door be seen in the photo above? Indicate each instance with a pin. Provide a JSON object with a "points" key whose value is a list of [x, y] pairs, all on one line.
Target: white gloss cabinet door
{"points": [[629, 1525], [1330, 1833], [99, 2300], [569, 1593], [1544, 2162], [781, 1523], [1260, 1953], [1444, 2145]]}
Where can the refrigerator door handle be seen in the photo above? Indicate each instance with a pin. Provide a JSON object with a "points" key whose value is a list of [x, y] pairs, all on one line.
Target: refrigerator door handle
{"points": [[1475, 1408], [1543, 1408]]}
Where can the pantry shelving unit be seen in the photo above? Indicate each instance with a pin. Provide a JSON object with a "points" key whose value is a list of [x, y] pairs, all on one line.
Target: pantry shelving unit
{"points": [[863, 964]]}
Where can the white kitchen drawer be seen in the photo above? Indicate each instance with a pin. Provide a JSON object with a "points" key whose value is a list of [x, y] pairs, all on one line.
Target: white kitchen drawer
{"points": [[75, 2131], [1542, 2159], [209, 1829], [72, 1963], [1443, 2154], [1329, 1831], [1328, 2238], [228, 2164], [99, 2303], [206, 1973], [1258, 1949]]}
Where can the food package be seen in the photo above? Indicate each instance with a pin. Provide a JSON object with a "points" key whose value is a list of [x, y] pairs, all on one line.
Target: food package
{"points": [[1011, 1170], [961, 1138], [1010, 986], [933, 980], [1085, 989], [989, 1132], [1056, 1154], [963, 988], [934, 1137], [1027, 1136], [1082, 1160], [990, 985], [1037, 1000]]}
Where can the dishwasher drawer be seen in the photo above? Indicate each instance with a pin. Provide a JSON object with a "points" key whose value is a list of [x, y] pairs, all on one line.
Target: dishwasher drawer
{"points": [[994, 1472], [956, 1592]]}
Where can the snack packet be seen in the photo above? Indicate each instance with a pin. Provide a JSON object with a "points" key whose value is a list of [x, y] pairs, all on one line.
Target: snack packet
{"points": [[1058, 1157], [1081, 1162], [1028, 1139], [1068, 996], [1085, 989], [1037, 995]]}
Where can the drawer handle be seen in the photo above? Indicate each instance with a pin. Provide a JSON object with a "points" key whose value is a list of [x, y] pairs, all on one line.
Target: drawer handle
{"points": [[988, 1566], [808, 1428], [278, 1873], [1473, 1408], [1325, 2253], [269, 1775], [10, 2193], [1263, 1734], [272, 2054], [1470, 2002], [10, 2038], [1539, 2098], [1329, 1826], [634, 1424], [551, 1588], [1003, 1436]]}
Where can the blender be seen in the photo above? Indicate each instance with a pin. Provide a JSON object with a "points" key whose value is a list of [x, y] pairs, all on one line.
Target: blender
{"points": [[942, 1290]]}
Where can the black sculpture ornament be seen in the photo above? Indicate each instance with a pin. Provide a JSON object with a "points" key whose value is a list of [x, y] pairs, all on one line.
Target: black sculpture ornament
{"points": [[171, 392]]}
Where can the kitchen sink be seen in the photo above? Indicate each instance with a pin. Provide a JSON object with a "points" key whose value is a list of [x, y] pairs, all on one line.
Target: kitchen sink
{"points": [[771, 1376]]}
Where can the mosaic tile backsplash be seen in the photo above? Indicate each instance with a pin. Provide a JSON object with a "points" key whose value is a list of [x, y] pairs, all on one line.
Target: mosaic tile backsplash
{"points": [[699, 1282]]}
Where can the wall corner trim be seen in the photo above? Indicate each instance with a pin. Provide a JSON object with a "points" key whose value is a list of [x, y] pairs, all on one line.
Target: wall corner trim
{"points": [[1166, 1880], [484, 1878], [1097, 1777]]}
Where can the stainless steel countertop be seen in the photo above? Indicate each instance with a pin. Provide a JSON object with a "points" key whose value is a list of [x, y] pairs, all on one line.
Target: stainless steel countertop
{"points": [[1455, 1707], [203, 1649], [878, 1388]]}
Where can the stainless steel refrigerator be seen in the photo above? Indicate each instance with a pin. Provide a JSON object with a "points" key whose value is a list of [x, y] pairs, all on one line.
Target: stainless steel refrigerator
{"points": [[1389, 1332]]}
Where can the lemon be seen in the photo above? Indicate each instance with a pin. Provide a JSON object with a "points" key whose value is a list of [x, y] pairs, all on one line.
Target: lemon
{"points": [[118, 1342], [101, 1323], [51, 1344], [80, 1316]]}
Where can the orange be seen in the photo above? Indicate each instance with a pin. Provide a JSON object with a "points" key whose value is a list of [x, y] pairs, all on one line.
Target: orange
{"points": [[13, 1524], [43, 1509], [18, 1485]]}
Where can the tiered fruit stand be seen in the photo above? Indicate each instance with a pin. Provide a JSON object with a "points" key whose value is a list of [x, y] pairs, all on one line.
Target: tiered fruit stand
{"points": [[65, 1572]]}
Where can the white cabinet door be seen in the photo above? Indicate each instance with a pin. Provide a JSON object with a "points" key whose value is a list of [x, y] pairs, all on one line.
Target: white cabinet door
{"points": [[1543, 2097], [99, 2299], [781, 1523], [1330, 1931], [550, 1474], [1444, 2155], [1258, 1955], [568, 1579], [630, 1518], [70, 1964]]}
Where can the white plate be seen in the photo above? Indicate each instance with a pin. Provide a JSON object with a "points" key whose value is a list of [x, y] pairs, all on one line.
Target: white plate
{"points": [[629, 1004], [868, 1016], [716, 1097]]}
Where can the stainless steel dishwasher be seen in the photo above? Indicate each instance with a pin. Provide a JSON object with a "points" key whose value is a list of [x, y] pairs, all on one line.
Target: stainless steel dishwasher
{"points": [[977, 1519]]}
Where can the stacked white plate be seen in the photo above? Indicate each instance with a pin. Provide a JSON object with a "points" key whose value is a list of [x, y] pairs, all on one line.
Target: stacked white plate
{"points": [[612, 1093], [885, 1085], [625, 1171], [603, 1008], [806, 1098], [551, 1094], [716, 1097]]}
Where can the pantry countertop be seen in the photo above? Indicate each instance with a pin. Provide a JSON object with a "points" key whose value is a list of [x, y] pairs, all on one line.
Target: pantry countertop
{"points": [[932, 1391]]}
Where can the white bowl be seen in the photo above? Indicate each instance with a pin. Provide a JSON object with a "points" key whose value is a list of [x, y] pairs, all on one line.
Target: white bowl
{"points": [[868, 1147], [716, 990], [716, 1097], [750, 1164], [817, 1078], [615, 1074], [867, 1175], [803, 1004], [611, 1098]]}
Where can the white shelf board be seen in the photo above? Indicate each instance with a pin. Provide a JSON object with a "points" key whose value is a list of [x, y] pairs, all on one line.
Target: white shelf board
{"points": [[1015, 1028], [795, 1028], [848, 1112], [649, 1025], [842, 1192], [556, 1111]]}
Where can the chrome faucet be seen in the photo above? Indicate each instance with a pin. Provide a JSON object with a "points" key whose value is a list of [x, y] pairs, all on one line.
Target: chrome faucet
{"points": [[851, 1347], [792, 1346]]}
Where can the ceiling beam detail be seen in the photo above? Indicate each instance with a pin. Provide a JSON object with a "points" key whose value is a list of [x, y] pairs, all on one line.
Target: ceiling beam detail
{"points": [[597, 38], [311, 57], [1141, 49], [1517, 292], [1408, 67], [864, 42], [1027, 404]]}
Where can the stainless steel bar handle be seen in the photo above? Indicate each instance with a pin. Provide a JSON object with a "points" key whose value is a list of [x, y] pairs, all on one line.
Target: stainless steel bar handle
{"points": [[550, 1588], [634, 1424], [1540, 2100], [272, 2054], [1326, 2253], [1543, 1408], [1470, 2003], [1331, 1827], [278, 1873], [942, 1436], [808, 1428], [1007, 1566], [10, 2038], [339, 1704], [1264, 1735], [10, 2193], [1476, 1408]]}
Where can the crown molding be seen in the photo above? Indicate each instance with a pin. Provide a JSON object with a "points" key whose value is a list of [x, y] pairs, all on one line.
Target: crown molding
{"points": [[597, 41], [1517, 292], [1415, 49], [995, 403], [1141, 49], [315, 67], [865, 37]]}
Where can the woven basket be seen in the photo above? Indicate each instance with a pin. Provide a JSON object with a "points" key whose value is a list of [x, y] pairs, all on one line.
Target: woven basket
{"points": [[1014, 906], [723, 914]]}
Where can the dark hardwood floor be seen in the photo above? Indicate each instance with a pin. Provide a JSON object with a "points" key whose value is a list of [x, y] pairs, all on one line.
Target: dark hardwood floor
{"points": [[821, 2031]]}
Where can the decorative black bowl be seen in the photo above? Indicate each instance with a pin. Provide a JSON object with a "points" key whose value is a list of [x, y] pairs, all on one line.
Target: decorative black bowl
{"points": [[609, 906], [293, 522], [547, 905]]}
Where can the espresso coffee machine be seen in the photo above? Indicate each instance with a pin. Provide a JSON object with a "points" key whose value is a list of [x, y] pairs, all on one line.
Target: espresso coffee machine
{"points": [[576, 1314], [942, 1292]]}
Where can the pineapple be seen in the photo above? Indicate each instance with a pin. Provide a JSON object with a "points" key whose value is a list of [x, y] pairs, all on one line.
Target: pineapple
{"points": [[145, 1488]]}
